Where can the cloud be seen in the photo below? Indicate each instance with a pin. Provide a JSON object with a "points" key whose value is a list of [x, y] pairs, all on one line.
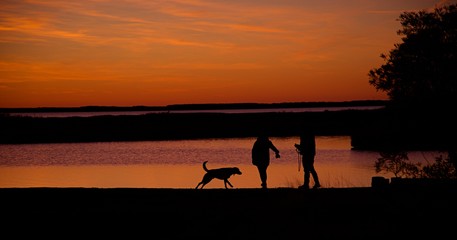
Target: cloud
{"points": [[212, 66]]}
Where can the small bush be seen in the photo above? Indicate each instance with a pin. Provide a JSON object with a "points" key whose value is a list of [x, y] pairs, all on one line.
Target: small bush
{"points": [[397, 162]]}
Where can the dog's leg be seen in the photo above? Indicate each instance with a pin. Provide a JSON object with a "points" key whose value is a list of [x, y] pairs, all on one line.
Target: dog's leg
{"points": [[227, 181], [203, 184], [206, 179]]}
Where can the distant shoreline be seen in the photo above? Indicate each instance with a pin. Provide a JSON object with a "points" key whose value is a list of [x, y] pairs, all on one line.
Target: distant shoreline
{"points": [[209, 106], [374, 129], [177, 126]]}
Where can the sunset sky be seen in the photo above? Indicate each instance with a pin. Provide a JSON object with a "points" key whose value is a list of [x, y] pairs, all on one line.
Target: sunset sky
{"points": [[156, 53]]}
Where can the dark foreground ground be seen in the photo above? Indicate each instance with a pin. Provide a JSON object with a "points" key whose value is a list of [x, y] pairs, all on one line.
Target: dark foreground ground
{"points": [[132, 213]]}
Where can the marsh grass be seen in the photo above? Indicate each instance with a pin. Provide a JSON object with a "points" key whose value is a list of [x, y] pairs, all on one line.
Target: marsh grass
{"points": [[326, 181], [336, 182]]}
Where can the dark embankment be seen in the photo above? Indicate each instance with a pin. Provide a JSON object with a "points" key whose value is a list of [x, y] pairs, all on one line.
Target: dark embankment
{"points": [[408, 129], [172, 126], [352, 213], [369, 129]]}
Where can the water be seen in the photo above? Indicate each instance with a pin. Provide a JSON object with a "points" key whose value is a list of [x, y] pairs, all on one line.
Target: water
{"points": [[178, 164], [260, 110]]}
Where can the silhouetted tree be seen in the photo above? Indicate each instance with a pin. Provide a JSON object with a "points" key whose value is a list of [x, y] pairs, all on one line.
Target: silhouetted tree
{"points": [[422, 70], [441, 169], [420, 73], [398, 164]]}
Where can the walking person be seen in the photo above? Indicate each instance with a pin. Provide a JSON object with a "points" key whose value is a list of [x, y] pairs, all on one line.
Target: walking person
{"points": [[307, 150], [261, 156]]}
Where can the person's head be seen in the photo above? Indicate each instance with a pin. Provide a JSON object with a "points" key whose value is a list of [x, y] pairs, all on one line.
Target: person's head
{"points": [[306, 133], [262, 137], [262, 133]]}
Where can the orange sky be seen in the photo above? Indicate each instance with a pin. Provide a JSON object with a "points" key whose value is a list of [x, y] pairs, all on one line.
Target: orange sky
{"points": [[155, 53]]}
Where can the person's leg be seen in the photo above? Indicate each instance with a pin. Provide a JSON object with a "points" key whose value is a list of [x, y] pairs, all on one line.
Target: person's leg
{"points": [[263, 175], [306, 174], [306, 180], [313, 172], [317, 184]]}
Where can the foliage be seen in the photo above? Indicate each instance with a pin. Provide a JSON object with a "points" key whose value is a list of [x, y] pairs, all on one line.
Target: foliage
{"points": [[443, 168], [422, 69], [397, 162], [420, 77]]}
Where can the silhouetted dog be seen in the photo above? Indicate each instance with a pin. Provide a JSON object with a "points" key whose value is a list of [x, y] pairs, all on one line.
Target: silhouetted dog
{"points": [[219, 173]]}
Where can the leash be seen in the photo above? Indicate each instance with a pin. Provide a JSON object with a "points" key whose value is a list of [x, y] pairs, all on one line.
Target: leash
{"points": [[298, 155], [298, 159]]}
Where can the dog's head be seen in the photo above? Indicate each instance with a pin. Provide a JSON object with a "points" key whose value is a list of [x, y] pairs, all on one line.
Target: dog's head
{"points": [[236, 170]]}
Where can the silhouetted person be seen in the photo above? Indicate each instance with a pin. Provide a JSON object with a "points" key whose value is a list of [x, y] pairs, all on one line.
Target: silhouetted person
{"points": [[261, 156], [307, 150]]}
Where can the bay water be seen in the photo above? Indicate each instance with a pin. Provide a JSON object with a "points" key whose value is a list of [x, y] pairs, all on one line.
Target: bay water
{"points": [[178, 164]]}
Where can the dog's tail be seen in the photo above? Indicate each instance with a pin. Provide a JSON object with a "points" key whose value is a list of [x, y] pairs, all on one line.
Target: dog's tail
{"points": [[204, 166]]}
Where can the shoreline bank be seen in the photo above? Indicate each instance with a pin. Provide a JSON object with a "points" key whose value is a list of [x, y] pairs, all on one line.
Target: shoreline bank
{"points": [[286, 213], [369, 129]]}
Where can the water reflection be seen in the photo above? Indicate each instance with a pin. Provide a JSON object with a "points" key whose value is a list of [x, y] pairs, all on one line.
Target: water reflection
{"points": [[178, 164]]}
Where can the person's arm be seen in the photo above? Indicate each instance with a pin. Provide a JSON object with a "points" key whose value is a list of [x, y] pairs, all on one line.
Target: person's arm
{"points": [[272, 147], [299, 148]]}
